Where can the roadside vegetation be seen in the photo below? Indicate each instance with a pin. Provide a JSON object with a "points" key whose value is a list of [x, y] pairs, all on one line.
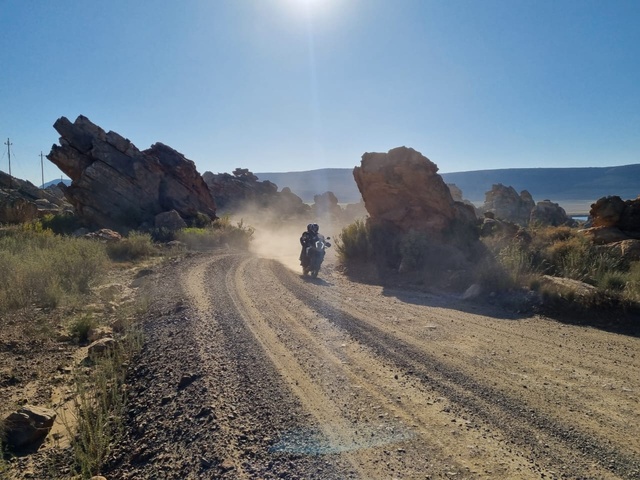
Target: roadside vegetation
{"points": [[560, 264], [221, 233], [97, 422], [53, 289]]}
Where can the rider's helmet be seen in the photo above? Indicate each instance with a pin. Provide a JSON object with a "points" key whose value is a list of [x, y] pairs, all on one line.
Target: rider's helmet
{"points": [[315, 228], [310, 228]]}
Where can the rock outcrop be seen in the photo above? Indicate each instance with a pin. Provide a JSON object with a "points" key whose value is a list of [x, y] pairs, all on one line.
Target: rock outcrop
{"points": [[548, 213], [326, 206], [402, 189], [242, 191], [28, 426], [115, 185], [614, 220], [505, 203], [21, 201], [354, 211]]}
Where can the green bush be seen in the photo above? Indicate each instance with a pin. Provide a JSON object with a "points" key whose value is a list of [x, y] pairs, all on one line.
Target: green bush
{"points": [[61, 224], [613, 281], [81, 326], [136, 246], [353, 242]]}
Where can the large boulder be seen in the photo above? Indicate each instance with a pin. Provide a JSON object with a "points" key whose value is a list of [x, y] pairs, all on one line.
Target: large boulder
{"points": [[551, 214], [614, 220], [28, 426], [614, 212], [402, 189], [326, 206], [14, 208], [115, 185], [506, 204]]}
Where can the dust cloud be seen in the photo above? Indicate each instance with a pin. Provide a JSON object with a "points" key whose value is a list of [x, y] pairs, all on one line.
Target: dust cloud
{"points": [[279, 239]]}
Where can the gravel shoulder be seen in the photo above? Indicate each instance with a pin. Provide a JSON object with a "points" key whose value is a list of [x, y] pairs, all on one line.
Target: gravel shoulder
{"points": [[250, 370]]}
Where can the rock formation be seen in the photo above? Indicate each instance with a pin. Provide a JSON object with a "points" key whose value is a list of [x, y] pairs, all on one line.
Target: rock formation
{"points": [[551, 214], [402, 189], [21, 201], [614, 220], [507, 205], [326, 205], [456, 194], [117, 186], [354, 211], [242, 191]]}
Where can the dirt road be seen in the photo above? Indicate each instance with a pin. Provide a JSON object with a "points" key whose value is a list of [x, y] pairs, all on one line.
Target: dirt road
{"points": [[252, 371]]}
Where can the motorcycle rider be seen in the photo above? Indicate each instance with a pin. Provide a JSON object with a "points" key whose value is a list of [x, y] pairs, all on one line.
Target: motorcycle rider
{"points": [[307, 239]]}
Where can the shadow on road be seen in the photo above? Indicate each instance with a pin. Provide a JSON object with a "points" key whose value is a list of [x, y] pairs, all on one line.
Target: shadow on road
{"points": [[316, 281], [510, 305]]}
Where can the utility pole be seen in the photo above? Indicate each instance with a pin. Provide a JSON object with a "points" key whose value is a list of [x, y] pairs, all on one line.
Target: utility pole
{"points": [[42, 167], [8, 144]]}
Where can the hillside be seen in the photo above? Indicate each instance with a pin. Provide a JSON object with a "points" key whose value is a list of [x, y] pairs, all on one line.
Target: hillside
{"points": [[573, 188]]}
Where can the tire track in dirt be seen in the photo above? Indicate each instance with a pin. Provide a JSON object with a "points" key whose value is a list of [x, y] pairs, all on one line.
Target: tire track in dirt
{"points": [[549, 441], [255, 406], [570, 379], [567, 373], [413, 409]]}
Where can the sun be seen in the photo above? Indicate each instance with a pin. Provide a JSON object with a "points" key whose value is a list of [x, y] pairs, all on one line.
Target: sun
{"points": [[309, 4]]}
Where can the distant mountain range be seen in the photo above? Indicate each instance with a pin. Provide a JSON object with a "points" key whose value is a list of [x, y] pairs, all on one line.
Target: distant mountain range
{"points": [[66, 181], [573, 188]]}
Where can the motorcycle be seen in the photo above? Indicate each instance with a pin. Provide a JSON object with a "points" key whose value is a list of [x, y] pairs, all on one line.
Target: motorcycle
{"points": [[315, 256]]}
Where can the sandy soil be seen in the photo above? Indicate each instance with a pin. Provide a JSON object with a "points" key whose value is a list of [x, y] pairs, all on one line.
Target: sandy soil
{"points": [[252, 371]]}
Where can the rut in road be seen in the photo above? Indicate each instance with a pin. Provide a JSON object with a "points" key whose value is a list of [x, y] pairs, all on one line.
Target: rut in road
{"points": [[550, 441], [381, 398]]}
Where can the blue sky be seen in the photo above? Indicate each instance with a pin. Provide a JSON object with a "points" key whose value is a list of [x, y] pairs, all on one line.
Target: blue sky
{"points": [[289, 85]]}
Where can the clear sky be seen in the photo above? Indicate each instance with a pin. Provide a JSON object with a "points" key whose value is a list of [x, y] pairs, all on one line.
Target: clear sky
{"points": [[289, 85]]}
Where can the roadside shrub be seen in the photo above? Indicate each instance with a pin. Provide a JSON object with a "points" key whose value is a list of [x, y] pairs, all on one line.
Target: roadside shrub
{"points": [[613, 281], [136, 246], [78, 262], [518, 261], [99, 405], [564, 252], [632, 286], [40, 268], [494, 277], [81, 326], [202, 220], [61, 224], [219, 233], [352, 243]]}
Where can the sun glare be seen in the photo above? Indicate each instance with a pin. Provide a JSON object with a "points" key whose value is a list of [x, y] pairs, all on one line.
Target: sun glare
{"points": [[310, 6]]}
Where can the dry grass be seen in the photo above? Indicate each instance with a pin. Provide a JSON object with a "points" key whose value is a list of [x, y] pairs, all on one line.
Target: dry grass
{"points": [[219, 233], [41, 270], [45, 270], [99, 405]]}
